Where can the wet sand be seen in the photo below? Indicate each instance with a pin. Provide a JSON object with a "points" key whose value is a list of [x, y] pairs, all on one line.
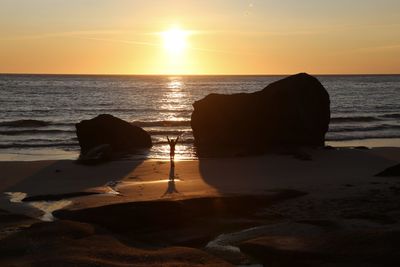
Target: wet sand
{"points": [[206, 205]]}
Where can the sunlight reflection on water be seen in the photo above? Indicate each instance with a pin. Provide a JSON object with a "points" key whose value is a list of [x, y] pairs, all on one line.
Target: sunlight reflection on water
{"points": [[175, 83], [174, 99]]}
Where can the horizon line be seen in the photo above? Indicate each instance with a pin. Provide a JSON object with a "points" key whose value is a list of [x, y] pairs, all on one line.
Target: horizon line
{"points": [[169, 75]]}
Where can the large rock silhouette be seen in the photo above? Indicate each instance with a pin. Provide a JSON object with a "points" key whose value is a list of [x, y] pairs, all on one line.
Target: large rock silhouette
{"points": [[108, 134], [294, 111]]}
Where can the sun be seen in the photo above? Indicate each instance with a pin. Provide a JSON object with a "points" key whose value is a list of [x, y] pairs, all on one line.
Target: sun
{"points": [[175, 41]]}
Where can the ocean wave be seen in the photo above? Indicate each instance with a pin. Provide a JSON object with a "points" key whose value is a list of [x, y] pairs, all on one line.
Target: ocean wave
{"points": [[23, 145], [25, 123], [391, 116], [35, 131], [163, 123], [75, 144], [184, 141], [39, 140], [105, 110], [30, 123], [354, 119], [166, 132], [371, 136], [364, 129]]}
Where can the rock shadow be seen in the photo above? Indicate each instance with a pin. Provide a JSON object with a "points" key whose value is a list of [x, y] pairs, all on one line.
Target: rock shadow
{"points": [[66, 179]]}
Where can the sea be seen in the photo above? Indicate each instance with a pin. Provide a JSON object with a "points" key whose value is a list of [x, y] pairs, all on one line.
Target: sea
{"points": [[38, 113]]}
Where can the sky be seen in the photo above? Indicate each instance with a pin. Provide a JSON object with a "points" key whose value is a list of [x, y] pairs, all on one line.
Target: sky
{"points": [[213, 37]]}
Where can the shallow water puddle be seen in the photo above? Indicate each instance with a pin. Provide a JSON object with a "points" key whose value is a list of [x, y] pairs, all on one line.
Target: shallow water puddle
{"points": [[15, 197], [224, 244], [46, 208]]}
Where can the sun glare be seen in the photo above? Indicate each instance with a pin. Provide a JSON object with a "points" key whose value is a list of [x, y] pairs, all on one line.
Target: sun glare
{"points": [[175, 40]]}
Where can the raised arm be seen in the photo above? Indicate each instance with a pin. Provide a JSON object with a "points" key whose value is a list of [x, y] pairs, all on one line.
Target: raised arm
{"points": [[169, 141]]}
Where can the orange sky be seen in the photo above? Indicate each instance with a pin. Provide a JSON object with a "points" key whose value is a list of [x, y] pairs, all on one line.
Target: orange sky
{"points": [[221, 37]]}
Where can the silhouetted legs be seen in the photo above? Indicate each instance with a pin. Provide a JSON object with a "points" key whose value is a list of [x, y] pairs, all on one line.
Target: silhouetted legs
{"points": [[172, 171]]}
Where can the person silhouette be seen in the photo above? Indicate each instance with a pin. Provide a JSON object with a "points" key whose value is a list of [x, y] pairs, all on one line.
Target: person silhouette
{"points": [[172, 143]]}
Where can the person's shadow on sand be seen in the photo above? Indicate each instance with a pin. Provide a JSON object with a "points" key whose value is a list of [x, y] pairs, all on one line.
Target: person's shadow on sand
{"points": [[171, 189]]}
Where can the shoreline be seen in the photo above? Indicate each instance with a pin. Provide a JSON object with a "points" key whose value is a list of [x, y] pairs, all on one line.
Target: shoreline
{"points": [[37, 154]]}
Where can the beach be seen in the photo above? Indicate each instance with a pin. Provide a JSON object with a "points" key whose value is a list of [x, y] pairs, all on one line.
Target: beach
{"points": [[199, 133], [220, 210], [285, 176]]}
